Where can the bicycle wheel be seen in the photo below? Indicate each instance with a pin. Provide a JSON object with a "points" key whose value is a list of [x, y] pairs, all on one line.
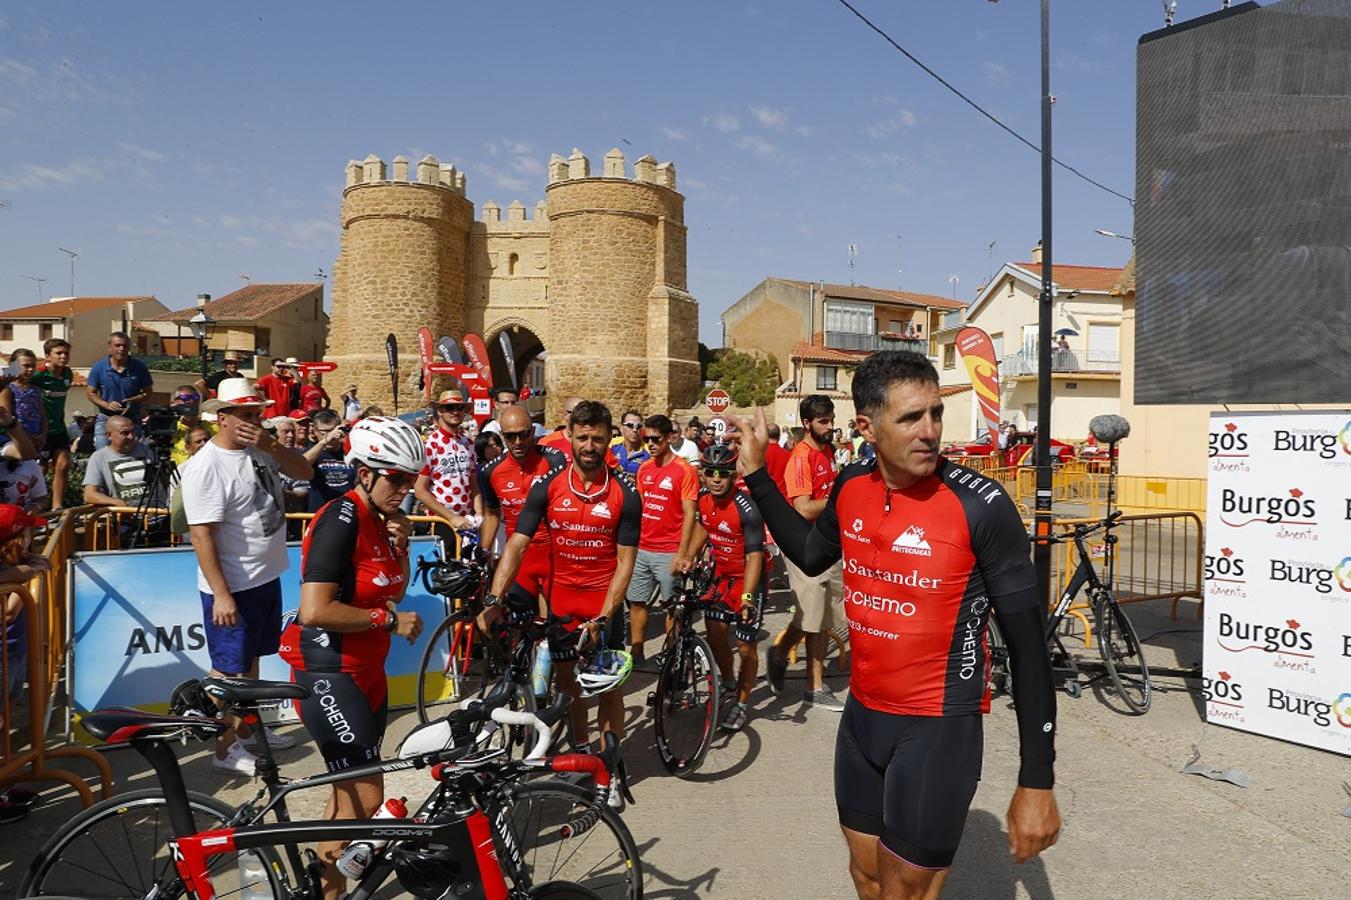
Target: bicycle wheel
{"points": [[441, 674], [686, 706], [603, 860], [119, 848], [999, 677], [1122, 653]]}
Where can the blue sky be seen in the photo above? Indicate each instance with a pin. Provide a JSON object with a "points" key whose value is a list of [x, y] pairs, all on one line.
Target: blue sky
{"points": [[180, 146]]}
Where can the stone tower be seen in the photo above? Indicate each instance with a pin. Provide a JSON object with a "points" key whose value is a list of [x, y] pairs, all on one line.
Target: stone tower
{"points": [[596, 280]]}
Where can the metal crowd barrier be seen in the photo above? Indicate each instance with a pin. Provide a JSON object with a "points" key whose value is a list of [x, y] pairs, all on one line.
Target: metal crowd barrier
{"points": [[46, 615]]}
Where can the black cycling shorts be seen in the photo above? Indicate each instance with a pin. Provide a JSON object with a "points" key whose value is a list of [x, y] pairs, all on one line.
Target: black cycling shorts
{"points": [[346, 715], [908, 779]]}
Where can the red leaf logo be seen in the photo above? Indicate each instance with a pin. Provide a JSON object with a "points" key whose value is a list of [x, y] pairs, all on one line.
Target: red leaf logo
{"points": [[1225, 676], [1230, 427], [1226, 551], [1296, 493], [1293, 623]]}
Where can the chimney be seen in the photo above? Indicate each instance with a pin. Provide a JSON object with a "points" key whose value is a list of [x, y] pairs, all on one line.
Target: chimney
{"points": [[1036, 253], [204, 299]]}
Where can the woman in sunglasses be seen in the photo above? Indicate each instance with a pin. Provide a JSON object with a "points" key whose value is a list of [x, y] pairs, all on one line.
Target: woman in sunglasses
{"points": [[354, 569]]}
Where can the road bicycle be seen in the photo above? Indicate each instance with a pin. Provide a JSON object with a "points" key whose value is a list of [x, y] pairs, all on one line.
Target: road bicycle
{"points": [[444, 670], [685, 700], [491, 828], [1123, 658]]}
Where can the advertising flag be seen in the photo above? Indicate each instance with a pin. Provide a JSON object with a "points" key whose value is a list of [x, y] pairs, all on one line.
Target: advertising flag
{"points": [[505, 340], [977, 352], [392, 357], [424, 351], [449, 350], [477, 355]]}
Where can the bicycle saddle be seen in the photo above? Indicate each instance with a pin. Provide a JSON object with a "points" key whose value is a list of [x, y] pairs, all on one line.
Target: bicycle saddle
{"points": [[247, 692], [121, 724]]}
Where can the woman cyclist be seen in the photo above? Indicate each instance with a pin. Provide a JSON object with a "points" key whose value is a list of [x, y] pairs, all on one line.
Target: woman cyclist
{"points": [[354, 568]]}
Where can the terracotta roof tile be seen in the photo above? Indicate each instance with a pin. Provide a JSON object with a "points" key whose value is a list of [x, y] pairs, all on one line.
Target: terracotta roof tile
{"points": [[879, 295], [1080, 278], [814, 353], [951, 389], [65, 306], [251, 302]]}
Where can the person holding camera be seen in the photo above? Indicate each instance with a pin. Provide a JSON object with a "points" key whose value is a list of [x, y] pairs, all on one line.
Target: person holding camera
{"points": [[333, 476], [118, 384], [186, 404]]}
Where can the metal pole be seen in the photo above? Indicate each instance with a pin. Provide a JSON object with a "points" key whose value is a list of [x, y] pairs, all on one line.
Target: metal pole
{"points": [[1041, 554]]}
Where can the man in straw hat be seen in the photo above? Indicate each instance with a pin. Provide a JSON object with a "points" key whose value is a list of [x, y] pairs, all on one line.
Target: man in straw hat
{"points": [[233, 501]]}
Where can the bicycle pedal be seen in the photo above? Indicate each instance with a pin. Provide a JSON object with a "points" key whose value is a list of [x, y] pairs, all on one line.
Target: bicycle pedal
{"points": [[652, 699]]}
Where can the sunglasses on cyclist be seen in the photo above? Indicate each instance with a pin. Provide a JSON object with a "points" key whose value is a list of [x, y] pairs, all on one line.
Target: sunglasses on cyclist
{"points": [[510, 436], [633, 425], [653, 438], [399, 479], [711, 472]]}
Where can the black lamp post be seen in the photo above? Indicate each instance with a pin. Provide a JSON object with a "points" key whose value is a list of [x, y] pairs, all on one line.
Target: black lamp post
{"points": [[201, 328]]}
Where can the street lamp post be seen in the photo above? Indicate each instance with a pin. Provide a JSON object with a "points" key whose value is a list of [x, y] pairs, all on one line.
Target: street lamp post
{"points": [[201, 328], [1105, 233]]}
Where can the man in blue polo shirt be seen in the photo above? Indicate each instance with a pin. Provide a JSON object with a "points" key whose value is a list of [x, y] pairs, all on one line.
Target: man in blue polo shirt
{"points": [[118, 384]]}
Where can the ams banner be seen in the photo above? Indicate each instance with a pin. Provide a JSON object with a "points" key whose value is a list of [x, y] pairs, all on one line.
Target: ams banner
{"points": [[1278, 576]]}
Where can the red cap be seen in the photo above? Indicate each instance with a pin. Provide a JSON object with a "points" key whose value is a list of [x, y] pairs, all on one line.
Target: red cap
{"points": [[298, 414], [13, 520]]}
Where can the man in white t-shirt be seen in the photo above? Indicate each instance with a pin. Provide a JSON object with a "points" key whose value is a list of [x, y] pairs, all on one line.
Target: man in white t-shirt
{"points": [[232, 498]]}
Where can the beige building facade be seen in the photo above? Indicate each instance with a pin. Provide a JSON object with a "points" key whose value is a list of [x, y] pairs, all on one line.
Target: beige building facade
{"points": [[85, 322], [591, 280]]}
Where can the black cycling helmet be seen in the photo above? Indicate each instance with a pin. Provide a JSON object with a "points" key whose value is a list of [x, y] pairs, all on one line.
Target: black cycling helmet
{"points": [[455, 578], [427, 873], [718, 455]]}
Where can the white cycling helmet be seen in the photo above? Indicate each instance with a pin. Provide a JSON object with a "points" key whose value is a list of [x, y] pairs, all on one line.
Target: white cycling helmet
{"points": [[382, 442], [604, 670]]}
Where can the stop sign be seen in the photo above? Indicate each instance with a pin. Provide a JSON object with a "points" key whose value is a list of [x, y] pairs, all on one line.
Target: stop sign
{"points": [[717, 400]]}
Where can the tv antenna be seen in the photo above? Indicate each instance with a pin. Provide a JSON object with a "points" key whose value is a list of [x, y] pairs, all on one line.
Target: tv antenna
{"points": [[319, 273], [853, 252], [40, 281], [989, 261], [952, 280], [1170, 10], [900, 258], [74, 255]]}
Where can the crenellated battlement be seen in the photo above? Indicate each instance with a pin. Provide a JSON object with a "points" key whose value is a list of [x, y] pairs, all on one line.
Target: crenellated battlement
{"points": [[646, 169], [429, 171], [518, 215]]}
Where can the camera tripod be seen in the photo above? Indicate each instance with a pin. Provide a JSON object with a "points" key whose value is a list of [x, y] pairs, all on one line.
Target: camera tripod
{"points": [[161, 474]]}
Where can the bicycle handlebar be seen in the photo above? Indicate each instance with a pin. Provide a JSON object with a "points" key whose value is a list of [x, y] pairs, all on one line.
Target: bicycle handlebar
{"points": [[598, 766]]}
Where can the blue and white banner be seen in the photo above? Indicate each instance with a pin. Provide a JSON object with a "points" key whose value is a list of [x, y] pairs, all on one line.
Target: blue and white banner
{"points": [[1278, 576], [137, 620]]}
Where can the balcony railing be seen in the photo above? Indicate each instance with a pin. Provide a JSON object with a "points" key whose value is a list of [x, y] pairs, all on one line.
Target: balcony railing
{"points": [[950, 319], [849, 340], [1025, 363]]}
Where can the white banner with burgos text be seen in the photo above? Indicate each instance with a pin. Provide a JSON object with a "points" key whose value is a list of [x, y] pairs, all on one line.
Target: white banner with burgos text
{"points": [[1278, 576]]}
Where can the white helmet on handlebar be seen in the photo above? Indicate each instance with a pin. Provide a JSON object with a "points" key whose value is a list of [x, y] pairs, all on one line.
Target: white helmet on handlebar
{"points": [[382, 442], [604, 670]]}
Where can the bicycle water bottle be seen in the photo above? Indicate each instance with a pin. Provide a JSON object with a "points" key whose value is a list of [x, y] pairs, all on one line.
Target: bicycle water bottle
{"points": [[539, 673], [253, 883], [354, 860]]}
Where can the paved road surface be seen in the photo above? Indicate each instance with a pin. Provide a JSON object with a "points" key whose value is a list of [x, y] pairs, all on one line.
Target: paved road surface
{"points": [[759, 821]]}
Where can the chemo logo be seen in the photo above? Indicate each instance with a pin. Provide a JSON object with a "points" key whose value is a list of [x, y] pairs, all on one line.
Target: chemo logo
{"points": [[1238, 636], [1228, 443], [1341, 708], [1240, 510], [912, 541]]}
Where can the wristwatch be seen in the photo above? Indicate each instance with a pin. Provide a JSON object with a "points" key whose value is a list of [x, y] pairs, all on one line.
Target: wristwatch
{"points": [[391, 621], [491, 600]]}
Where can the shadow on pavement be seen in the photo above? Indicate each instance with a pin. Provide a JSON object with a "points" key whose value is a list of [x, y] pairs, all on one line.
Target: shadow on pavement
{"points": [[983, 869], [662, 885]]}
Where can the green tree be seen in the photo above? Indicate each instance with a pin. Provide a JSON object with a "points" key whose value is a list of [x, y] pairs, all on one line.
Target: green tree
{"points": [[747, 379]]}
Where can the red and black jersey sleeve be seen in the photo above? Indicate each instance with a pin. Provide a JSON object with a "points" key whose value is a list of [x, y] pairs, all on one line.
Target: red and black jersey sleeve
{"points": [[752, 525], [536, 505], [630, 512], [330, 545], [812, 545], [485, 484]]}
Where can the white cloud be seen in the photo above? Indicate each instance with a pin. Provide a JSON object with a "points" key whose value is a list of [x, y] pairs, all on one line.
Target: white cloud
{"points": [[902, 118], [673, 134], [31, 176], [804, 130], [770, 117], [500, 178], [144, 153], [520, 157], [879, 160], [251, 230], [897, 187], [724, 122], [758, 145], [995, 74]]}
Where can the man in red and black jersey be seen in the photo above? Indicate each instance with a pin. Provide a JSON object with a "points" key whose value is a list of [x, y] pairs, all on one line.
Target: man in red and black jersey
{"points": [[928, 549], [592, 516], [504, 484], [729, 523]]}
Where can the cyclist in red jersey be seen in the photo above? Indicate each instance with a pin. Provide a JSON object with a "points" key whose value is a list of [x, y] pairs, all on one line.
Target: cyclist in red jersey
{"points": [[730, 523], [561, 439], [354, 568], [928, 549], [592, 515], [504, 484]]}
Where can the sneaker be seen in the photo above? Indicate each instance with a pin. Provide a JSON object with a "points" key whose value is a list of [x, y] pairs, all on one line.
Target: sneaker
{"points": [[735, 717], [616, 799], [237, 761], [17, 796], [11, 812], [776, 667], [275, 740], [823, 698]]}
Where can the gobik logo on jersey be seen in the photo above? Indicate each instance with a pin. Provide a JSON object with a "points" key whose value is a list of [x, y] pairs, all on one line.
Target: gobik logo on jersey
{"points": [[1229, 442], [1239, 636], [1239, 510]]}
